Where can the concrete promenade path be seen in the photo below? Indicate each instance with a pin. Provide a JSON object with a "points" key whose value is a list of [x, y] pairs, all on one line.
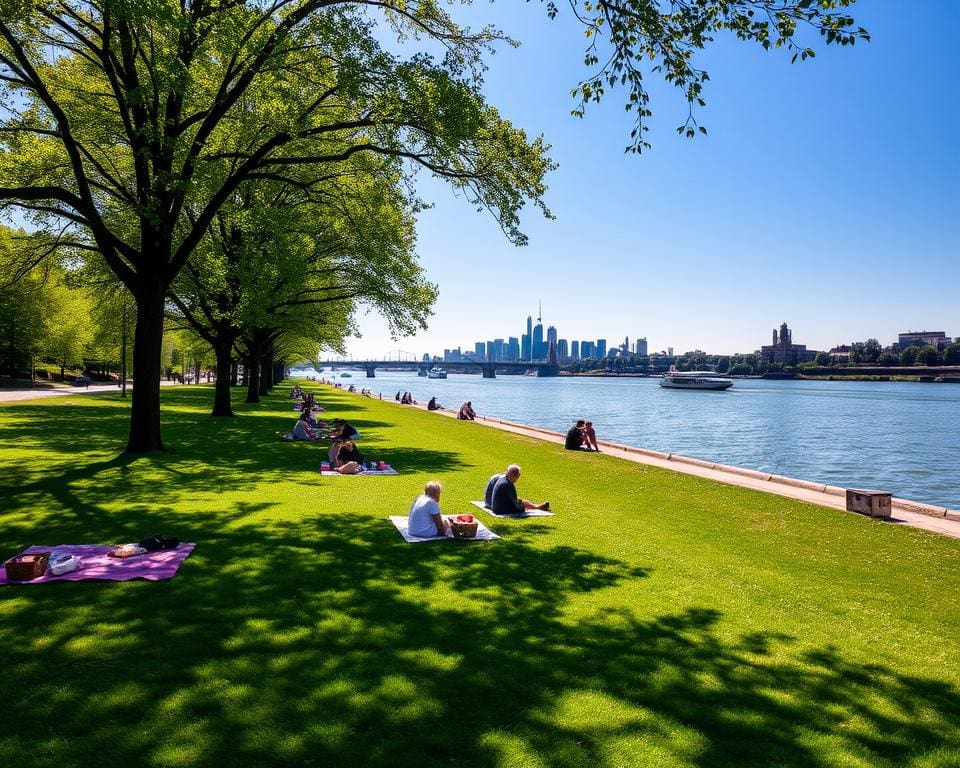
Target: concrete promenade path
{"points": [[36, 393], [905, 512]]}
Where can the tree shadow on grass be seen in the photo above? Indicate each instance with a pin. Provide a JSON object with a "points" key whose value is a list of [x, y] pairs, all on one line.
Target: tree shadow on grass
{"points": [[331, 642]]}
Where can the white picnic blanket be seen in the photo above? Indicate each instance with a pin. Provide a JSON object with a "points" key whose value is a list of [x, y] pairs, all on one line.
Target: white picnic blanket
{"points": [[400, 522], [528, 513]]}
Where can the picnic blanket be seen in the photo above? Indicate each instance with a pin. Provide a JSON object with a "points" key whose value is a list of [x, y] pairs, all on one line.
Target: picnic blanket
{"points": [[388, 471], [401, 522], [528, 513], [95, 564]]}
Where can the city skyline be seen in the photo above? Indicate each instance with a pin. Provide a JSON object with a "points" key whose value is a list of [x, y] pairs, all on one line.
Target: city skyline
{"points": [[824, 194]]}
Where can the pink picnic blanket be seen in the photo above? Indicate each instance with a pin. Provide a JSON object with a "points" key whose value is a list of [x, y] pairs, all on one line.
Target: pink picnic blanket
{"points": [[95, 564]]}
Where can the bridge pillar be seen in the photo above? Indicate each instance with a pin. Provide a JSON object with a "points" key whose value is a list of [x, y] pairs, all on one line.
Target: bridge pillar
{"points": [[489, 371], [371, 371]]}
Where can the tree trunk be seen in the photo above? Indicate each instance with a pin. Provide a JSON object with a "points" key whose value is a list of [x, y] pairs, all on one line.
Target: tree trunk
{"points": [[251, 365], [221, 392], [147, 348]]}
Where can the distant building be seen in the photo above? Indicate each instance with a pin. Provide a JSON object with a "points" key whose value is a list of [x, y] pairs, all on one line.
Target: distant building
{"points": [[587, 350], [784, 351], [669, 351], [539, 346], [480, 350], [513, 349], [452, 355], [641, 347], [562, 352], [937, 339], [574, 350], [552, 335], [840, 353], [601, 349]]}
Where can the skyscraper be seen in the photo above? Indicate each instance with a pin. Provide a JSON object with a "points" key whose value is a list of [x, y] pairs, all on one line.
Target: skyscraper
{"points": [[526, 346], [539, 346], [574, 350], [601, 349], [586, 350], [552, 335], [562, 351], [480, 350], [513, 349], [642, 347]]}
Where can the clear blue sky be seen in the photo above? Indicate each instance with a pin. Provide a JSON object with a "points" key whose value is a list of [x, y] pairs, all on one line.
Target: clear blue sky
{"points": [[826, 196]]}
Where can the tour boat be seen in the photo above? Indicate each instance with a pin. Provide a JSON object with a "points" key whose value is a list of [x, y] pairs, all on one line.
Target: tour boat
{"points": [[695, 380], [436, 373]]}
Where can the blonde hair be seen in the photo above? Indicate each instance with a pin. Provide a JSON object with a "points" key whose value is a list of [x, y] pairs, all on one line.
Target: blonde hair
{"points": [[432, 489]]}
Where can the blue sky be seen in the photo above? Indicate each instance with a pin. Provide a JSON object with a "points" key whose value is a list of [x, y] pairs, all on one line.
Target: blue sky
{"points": [[826, 196]]}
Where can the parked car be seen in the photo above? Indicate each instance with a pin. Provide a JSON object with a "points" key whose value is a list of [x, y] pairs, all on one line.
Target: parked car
{"points": [[81, 381]]}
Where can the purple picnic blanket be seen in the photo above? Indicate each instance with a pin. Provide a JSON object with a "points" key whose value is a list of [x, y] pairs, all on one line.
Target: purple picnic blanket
{"points": [[94, 564]]}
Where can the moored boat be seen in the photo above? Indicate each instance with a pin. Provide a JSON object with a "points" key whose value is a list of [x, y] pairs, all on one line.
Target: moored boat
{"points": [[436, 373]]}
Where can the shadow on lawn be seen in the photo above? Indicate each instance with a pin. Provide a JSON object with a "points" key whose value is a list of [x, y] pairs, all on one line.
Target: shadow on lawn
{"points": [[330, 642]]}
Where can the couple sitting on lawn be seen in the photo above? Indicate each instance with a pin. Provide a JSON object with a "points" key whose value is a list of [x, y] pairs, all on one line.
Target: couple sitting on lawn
{"points": [[425, 521]]}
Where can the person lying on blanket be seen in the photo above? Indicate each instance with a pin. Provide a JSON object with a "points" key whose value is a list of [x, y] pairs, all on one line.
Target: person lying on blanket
{"points": [[505, 501], [424, 520], [347, 460]]}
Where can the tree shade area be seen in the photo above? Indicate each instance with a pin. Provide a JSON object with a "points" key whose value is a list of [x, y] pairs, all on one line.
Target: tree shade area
{"points": [[657, 619]]}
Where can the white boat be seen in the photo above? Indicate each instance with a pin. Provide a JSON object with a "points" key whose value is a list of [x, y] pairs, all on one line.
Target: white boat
{"points": [[695, 380], [436, 373]]}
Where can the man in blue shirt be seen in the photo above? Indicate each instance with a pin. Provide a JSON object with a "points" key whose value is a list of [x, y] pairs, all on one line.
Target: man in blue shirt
{"points": [[505, 500]]}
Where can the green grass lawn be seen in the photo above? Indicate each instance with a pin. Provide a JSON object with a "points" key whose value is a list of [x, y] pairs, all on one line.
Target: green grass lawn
{"points": [[657, 620]]}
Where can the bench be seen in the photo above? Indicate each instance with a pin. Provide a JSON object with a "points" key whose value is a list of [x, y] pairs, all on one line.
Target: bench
{"points": [[870, 503]]}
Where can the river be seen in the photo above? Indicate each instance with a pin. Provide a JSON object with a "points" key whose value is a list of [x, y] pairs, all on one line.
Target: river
{"points": [[902, 437]]}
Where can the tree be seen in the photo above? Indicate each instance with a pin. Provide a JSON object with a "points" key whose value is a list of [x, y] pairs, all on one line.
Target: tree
{"points": [[951, 355], [871, 350], [123, 118], [928, 355], [888, 359], [822, 359], [114, 111], [858, 352], [69, 325], [908, 356]]}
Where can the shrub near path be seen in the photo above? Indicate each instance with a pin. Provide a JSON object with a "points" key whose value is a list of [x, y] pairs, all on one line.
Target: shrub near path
{"points": [[658, 619]]}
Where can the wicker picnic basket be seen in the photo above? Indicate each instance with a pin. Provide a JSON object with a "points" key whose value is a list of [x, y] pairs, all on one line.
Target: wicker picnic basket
{"points": [[26, 567], [463, 528]]}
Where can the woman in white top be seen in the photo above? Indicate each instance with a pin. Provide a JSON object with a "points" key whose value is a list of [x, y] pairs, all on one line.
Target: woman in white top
{"points": [[425, 520]]}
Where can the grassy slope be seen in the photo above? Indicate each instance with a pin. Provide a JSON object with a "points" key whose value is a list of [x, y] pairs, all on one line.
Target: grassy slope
{"points": [[658, 619]]}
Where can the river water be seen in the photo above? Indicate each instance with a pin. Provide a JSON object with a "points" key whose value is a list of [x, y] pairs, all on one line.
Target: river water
{"points": [[902, 437]]}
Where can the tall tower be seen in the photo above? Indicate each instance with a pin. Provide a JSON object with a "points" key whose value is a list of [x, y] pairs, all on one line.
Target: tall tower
{"points": [[551, 335]]}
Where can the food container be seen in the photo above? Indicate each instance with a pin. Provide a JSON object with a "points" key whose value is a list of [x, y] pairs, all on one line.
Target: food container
{"points": [[26, 567], [463, 526], [63, 562]]}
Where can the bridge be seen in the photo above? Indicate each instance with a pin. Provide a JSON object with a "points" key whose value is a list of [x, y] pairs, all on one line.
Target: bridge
{"points": [[487, 368]]}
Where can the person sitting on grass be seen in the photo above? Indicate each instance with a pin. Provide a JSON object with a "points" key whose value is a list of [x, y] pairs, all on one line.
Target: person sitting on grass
{"points": [[302, 429], [433, 405], [590, 437], [505, 500], [343, 431], [575, 437], [424, 520], [488, 494], [466, 412], [347, 460]]}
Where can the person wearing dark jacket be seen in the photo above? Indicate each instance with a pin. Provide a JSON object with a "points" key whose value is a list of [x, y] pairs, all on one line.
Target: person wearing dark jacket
{"points": [[505, 500], [575, 437]]}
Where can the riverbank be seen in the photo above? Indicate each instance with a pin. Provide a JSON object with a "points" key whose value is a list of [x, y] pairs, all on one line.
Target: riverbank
{"points": [[929, 517], [657, 619]]}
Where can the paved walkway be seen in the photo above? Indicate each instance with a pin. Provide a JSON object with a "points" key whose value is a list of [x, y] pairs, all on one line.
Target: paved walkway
{"points": [[905, 512], [45, 390]]}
